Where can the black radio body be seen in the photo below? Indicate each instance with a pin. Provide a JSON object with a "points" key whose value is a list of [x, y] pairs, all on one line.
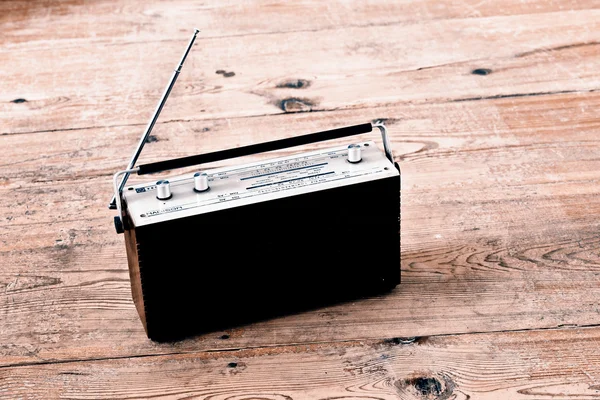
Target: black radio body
{"points": [[233, 245]]}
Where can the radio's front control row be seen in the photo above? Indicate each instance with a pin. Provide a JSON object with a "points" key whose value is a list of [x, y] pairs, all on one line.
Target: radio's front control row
{"points": [[163, 187]]}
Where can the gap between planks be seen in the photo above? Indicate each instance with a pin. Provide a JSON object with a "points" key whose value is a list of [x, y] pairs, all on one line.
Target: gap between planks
{"points": [[364, 107], [395, 340]]}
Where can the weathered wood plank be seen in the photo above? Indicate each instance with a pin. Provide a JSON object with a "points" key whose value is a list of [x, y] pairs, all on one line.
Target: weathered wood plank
{"points": [[541, 365], [377, 66], [496, 230], [75, 22]]}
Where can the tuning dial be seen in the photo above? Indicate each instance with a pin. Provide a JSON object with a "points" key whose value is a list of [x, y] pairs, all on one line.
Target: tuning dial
{"points": [[163, 190], [201, 182], [354, 153]]}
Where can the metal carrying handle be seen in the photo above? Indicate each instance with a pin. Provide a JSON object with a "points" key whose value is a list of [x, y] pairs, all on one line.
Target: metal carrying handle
{"points": [[386, 141], [267, 146], [118, 200], [251, 149]]}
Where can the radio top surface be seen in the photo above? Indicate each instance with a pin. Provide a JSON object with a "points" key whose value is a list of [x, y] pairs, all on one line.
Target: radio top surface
{"points": [[265, 180]]}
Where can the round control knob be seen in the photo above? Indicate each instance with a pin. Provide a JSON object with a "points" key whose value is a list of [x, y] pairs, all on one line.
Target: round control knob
{"points": [[163, 190], [200, 182], [354, 153]]}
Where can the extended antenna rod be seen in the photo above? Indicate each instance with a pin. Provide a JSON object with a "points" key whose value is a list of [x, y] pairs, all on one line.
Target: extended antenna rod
{"points": [[163, 100]]}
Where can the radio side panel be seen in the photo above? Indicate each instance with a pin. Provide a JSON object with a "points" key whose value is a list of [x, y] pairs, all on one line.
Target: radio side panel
{"points": [[134, 274], [243, 264]]}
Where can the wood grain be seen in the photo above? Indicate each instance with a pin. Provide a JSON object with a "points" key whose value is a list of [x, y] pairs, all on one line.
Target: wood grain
{"points": [[492, 110], [552, 54], [563, 364], [79, 22]]}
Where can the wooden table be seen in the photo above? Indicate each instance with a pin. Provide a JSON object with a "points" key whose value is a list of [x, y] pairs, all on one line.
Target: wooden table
{"points": [[493, 113]]}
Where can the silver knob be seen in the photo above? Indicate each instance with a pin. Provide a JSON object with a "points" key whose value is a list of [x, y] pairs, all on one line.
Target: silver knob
{"points": [[163, 190], [201, 182], [354, 153]]}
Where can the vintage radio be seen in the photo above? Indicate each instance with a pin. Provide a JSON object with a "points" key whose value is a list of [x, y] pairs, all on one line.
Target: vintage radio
{"points": [[230, 245]]}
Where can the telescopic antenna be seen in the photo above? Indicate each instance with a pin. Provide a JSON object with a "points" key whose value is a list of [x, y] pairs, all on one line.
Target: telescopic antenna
{"points": [[163, 100]]}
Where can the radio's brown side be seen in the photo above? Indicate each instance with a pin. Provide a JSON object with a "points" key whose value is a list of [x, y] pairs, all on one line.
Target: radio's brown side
{"points": [[134, 273]]}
